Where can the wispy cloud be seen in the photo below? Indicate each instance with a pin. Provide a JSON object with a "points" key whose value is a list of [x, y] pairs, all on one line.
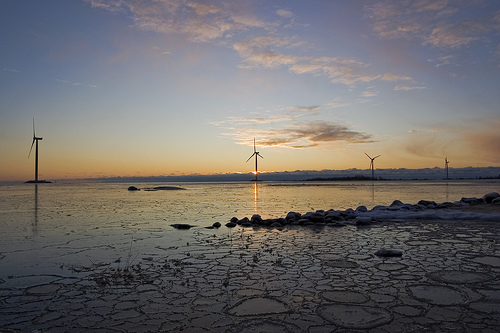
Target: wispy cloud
{"points": [[369, 93], [438, 23], [263, 45], [76, 83], [10, 70], [303, 134], [289, 130], [407, 88], [199, 21]]}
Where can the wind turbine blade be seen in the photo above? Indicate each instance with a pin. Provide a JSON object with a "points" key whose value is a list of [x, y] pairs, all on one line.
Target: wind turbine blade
{"points": [[259, 155], [254, 149], [31, 147], [368, 156], [377, 156], [250, 157], [33, 130]]}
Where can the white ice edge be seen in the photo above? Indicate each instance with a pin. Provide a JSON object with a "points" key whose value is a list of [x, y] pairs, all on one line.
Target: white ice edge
{"points": [[434, 214]]}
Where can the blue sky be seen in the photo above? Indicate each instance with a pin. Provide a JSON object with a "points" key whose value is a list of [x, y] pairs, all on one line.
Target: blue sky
{"points": [[140, 88]]}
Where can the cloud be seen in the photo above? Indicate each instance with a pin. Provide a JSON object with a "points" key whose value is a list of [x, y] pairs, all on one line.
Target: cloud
{"points": [[428, 145], [483, 137], [369, 93], [438, 23], [273, 116], [457, 35], [306, 108], [284, 13], [10, 70], [226, 21], [76, 83], [395, 77], [302, 134], [199, 21], [407, 88], [312, 133]]}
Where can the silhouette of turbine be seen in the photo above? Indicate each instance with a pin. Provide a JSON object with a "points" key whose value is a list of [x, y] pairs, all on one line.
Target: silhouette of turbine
{"points": [[371, 161], [256, 154], [35, 139], [446, 162]]}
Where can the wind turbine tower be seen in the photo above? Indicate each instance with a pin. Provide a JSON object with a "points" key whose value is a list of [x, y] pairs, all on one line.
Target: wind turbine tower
{"points": [[35, 140], [446, 162], [256, 154], [371, 162]]}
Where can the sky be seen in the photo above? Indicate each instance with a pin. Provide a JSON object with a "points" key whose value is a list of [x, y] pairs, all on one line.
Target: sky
{"points": [[175, 87]]}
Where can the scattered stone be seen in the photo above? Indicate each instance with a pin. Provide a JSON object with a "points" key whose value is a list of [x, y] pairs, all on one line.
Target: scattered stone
{"points": [[427, 203], [362, 209], [472, 201], [389, 253], [488, 198], [363, 220], [496, 201], [231, 224], [182, 226], [133, 188], [292, 216], [317, 217], [216, 225], [256, 218]]}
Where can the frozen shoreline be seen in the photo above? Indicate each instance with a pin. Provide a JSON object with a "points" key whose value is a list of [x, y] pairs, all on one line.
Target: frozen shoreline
{"points": [[486, 208]]}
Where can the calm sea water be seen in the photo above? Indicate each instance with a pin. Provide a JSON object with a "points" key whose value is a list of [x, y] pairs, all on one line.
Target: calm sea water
{"points": [[49, 225]]}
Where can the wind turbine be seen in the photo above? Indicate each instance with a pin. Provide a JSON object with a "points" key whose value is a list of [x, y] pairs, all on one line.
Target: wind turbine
{"points": [[446, 162], [371, 161], [256, 154], [35, 140]]}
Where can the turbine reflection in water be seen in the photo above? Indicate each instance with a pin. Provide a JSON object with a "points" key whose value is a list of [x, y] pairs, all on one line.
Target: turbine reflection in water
{"points": [[255, 198], [35, 221]]}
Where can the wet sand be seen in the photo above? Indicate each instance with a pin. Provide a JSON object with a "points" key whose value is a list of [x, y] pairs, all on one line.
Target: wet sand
{"points": [[292, 280]]}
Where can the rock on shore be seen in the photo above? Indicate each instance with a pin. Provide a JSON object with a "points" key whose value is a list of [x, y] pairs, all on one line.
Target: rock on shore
{"points": [[397, 210]]}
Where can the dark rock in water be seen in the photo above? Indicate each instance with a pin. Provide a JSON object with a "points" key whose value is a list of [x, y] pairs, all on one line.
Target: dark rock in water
{"points": [[445, 205], [181, 226], [216, 225], [490, 197], [363, 220], [302, 221], [427, 203], [293, 216], [234, 219], [473, 201], [317, 217], [133, 188], [244, 220], [167, 188], [396, 203], [389, 253], [362, 209], [246, 224], [256, 218], [276, 225], [496, 201], [231, 224]]}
